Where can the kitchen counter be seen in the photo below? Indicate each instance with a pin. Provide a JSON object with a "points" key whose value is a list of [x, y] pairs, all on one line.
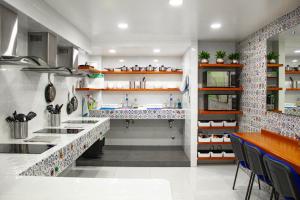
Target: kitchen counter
{"points": [[27, 176], [140, 114]]}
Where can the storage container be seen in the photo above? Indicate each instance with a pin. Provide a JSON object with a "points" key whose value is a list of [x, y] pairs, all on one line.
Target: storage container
{"points": [[20, 130], [229, 123], [54, 120], [204, 138], [227, 138], [204, 123], [228, 154], [217, 154], [217, 123], [217, 138], [204, 154]]}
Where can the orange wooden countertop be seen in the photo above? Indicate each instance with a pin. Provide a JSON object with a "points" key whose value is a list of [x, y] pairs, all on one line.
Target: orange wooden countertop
{"points": [[282, 147]]}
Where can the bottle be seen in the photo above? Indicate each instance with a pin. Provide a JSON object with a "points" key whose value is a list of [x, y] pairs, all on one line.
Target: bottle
{"points": [[171, 105], [179, 105]]}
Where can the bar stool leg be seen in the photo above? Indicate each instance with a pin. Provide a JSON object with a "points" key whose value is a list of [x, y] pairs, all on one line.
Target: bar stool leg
{"points": [[272, 193], [236, 173], [252, 177], [258, 181]]}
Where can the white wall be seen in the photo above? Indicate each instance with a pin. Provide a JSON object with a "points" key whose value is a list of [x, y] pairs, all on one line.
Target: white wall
{"points": [[190, 103]]}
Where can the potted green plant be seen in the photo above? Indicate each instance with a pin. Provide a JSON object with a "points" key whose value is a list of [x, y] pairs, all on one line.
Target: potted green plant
{"points": [[272, 57], [220, 55], [204, 57], [234, 57]]}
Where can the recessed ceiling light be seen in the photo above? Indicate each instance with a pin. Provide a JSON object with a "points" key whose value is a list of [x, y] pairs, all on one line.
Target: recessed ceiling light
{"points": [[121, 60], [297, 51], [175, 3], [294, 61], [156, 50], [155, 60], [122, 26], [112, 51], [215, 25]]}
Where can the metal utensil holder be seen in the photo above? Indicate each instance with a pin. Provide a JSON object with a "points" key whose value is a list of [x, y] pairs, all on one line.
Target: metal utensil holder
{"points": [[20, 130], [55, 120]]}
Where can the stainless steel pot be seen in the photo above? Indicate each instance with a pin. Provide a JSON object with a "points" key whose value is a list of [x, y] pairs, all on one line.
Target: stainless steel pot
{"points": [[124, 68], [55, 120], [163, 68], [20, 130], [150, 68], [136, 68]]}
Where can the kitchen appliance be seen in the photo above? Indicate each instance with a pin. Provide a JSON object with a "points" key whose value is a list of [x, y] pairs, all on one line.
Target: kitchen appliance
{"points": [[81, 121], [220, 79], [59, 131], [221, 102], [25, 148]]}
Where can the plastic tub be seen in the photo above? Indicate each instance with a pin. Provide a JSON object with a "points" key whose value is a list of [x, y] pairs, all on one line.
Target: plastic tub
{"points": [[217, 123], [217, 138], [217, 154], [204, 154], [204, 123], [230, 123], [228, 154], [204, 138]]}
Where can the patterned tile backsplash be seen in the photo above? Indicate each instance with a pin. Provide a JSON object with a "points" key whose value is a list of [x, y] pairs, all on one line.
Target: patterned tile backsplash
{"points": [[253, 78]]}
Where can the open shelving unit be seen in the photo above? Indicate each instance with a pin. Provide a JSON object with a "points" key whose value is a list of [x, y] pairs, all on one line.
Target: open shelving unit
{"points": [[220, 114], [131, 90], [273, 87]]}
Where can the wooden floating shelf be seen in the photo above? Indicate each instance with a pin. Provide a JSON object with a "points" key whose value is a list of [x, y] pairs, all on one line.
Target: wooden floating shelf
{"points": [[215, 112], [221, 89], [216, 159], [217, 127], [273, 89], [275, 110], [208, 143], [95, 71], [220, 65], [274, 65], [291, 72], [293, 89], [130, 90]]}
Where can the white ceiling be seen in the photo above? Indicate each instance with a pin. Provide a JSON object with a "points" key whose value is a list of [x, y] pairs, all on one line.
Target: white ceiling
{"points": [[155, 24]]}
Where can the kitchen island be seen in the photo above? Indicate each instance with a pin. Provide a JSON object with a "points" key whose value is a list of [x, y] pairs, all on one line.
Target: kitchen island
{"points": [[27, 176]]}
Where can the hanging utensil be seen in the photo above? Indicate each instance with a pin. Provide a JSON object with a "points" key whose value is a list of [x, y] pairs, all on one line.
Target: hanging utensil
{"points": [[74, 100], [69, 105], [50, 91], [30, 116], [15, 115]]}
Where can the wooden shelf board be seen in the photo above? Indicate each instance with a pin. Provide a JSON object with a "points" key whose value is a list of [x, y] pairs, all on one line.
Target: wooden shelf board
{"points": [[275, 110], [95, 71], [217, 127], [225, 112], [208, 143], [130, 90], [215, 159], [220, 65], [274, 65], [291, 72], [273, 89], [221, 89], [293, 89]]}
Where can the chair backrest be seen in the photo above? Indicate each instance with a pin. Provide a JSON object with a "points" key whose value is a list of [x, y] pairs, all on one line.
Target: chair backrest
{"points": [[255, 162], [238, 149], [284, 178]]}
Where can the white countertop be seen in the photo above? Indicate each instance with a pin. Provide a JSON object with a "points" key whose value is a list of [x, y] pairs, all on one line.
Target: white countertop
{"points": [[16, 187]]}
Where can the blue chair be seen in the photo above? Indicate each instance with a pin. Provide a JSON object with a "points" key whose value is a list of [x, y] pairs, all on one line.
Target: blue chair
{"points": [[285, 179], [257, 166]]}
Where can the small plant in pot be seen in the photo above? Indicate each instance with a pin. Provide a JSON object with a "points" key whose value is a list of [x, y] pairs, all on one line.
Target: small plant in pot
{"points": [[272, 57], [204, 57], [234, 57], [220, 55]]}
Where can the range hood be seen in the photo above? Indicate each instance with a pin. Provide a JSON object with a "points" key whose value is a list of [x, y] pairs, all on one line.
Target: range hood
{"points": [[42, 48]]}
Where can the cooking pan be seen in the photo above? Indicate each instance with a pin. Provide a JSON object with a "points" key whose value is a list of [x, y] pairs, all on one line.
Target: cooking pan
{"points": [[50, 91], [74, 100], [69, 105]]}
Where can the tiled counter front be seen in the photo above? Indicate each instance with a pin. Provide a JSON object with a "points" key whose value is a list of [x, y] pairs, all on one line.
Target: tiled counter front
{"points": [[140, 114], [58, 161]]}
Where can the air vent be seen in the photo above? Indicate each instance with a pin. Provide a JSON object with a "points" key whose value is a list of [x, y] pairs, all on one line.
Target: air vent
{"points": [[63, 50]]}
